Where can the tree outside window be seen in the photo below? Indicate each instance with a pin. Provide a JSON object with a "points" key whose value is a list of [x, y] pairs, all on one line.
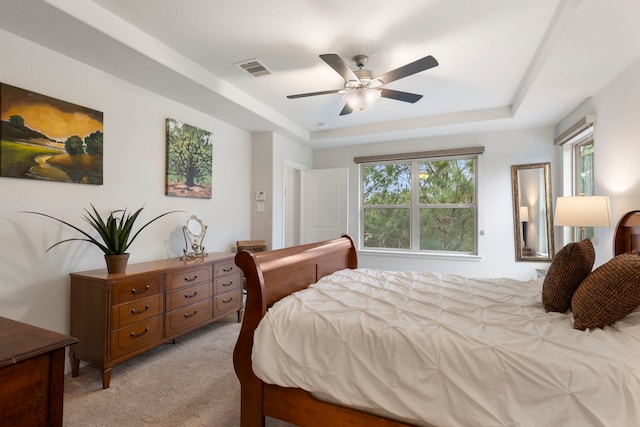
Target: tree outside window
{"points": [[584, 178], [420, 205]]}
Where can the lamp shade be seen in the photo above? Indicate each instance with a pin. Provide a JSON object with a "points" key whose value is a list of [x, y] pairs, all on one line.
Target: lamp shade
{"points": [[524, 214], [582, 211], [361, 98]]}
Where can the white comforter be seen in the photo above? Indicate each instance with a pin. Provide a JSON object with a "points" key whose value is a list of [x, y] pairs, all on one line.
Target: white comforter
{"points": [[450, 351]]}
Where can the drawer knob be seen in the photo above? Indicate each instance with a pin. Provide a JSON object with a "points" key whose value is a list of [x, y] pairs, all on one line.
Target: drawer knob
{"points": [[227, 284], [187, 315], [227, 269], [134, 311], [192, 295], [190, 279], [137, 292], [227, 301], [134, 335]]}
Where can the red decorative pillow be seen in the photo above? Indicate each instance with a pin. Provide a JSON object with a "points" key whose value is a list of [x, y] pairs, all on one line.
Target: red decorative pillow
{"points": [[609, 293], [571, 265]]}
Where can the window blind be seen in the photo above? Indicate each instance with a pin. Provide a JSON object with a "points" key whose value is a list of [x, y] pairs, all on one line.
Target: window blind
{"points": [[574, 132], [467, 151]]}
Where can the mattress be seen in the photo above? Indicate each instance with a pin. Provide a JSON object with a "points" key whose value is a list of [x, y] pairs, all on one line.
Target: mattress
{"points": [[446, 350]]}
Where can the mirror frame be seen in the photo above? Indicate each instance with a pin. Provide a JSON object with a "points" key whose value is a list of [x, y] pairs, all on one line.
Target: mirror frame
{"points": [[195, 221], [517, 228], [192, 241]]}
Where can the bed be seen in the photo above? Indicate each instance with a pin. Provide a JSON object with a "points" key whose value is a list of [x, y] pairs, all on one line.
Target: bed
{"points": [[540, 370]]}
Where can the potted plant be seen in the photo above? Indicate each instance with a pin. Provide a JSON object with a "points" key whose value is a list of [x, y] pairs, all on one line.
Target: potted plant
{"points": [[114, 234]]}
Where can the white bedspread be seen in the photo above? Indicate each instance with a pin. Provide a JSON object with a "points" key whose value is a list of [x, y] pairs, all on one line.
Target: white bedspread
{"points": [[450, 351]]}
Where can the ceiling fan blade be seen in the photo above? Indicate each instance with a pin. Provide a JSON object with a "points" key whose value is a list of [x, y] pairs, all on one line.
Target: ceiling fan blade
{"points": [[346, 110], [400, 96], [409, 69], [335, 62], [324, 92]]}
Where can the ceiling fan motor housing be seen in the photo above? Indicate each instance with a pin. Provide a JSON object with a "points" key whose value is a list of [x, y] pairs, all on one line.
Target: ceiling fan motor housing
{"points": [[360, 60]]}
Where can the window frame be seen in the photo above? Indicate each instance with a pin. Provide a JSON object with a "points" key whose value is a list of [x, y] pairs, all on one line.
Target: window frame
{"points": [[577, 171], [578, 135], [415, 207], [577, 166]]}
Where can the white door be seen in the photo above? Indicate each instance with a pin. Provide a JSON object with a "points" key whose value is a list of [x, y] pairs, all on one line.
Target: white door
{"points": [[326, 204]]}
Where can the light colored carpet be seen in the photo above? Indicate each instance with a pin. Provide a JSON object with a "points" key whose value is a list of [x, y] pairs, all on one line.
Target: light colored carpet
{"points": [[189, 383]]}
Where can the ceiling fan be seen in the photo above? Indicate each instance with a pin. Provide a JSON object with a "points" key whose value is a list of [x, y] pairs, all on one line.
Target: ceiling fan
{"points": [[362, 89]]}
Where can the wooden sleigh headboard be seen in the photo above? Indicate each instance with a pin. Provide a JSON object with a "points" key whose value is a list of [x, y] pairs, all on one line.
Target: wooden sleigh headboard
{"points": [[270, 276], [627, 234]]}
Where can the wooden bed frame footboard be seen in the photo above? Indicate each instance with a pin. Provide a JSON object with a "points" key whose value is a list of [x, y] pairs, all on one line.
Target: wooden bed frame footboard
{"points": [[270, 276]]}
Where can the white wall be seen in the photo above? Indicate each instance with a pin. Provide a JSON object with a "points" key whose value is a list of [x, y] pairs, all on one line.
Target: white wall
{"points": [[262, 179], [496, 240], [284, 150], [617, 150], [271, 153], [34, 284]]}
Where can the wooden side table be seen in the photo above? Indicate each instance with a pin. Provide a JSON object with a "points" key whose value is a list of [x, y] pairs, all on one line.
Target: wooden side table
{"points": [[31, 374]]}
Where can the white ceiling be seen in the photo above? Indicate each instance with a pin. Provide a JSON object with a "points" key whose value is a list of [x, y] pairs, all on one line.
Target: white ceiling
{"points": [[504, 64]]}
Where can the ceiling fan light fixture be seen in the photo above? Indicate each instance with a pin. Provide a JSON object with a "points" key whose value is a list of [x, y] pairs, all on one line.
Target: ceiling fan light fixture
{"points": [[362, 98]]}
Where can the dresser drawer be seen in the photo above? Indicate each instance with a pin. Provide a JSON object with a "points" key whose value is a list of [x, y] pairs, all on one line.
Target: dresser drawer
{"points": [[225, 267], [187, 317], [226, 303], [137, 288], [136, 336], [188, 277], [136, 311], [226, 284], [186, 296]]}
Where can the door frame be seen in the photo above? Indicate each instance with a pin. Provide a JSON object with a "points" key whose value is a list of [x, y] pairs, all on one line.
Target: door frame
{"points": [[286, 199]]}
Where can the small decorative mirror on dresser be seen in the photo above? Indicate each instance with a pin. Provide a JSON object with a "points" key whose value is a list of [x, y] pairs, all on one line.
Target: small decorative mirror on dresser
{"points": [[533, 228], [194, 231]]}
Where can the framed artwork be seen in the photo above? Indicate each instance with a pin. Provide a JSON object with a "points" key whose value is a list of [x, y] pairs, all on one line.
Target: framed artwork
{"points": [[189, 161], [49, 139]]}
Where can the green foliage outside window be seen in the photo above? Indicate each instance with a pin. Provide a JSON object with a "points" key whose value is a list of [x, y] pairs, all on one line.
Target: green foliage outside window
{"points": [[387, 228], [584, 178], [585, 168], [447, 229], [440, 215]]}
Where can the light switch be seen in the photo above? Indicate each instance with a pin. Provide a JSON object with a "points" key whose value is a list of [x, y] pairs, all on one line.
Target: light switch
{"points": [[261, 195], [260, 207]]}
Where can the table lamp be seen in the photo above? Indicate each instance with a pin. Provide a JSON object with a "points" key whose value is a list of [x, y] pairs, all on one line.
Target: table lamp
{"points": [[582, 211]]}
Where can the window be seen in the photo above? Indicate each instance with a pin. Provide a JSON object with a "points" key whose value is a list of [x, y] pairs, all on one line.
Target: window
{"points": [[578, 150], [421, 204], [583, 167], [583, 176]]}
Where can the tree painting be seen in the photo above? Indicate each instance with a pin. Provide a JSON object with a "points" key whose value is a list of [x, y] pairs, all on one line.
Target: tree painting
{"points": [[48, 139], [189, 161]]}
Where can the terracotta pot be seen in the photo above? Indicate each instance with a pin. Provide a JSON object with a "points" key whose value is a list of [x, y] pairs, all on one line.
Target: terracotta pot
{"points": [[116, 264]]}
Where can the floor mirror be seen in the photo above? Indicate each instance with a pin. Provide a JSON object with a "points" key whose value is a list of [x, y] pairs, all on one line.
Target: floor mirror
{"points": [[533, 228]]}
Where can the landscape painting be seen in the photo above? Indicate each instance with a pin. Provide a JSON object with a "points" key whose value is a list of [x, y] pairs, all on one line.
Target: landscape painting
{"points": [[189, 161], [48, 139]]}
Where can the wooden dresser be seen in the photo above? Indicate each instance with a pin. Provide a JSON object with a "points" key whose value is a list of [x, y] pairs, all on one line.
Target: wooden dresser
{"points": [[117, 316], [31, 374]]}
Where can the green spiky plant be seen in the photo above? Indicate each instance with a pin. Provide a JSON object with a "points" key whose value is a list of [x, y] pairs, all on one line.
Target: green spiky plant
{"points": [[114, 231]]}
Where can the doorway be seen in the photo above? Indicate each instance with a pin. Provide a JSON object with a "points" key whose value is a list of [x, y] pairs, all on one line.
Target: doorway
{"points": [[292, 223]]}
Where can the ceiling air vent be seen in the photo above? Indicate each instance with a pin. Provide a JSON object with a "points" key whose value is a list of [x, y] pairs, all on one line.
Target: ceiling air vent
{"points": [[254, 68]]}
